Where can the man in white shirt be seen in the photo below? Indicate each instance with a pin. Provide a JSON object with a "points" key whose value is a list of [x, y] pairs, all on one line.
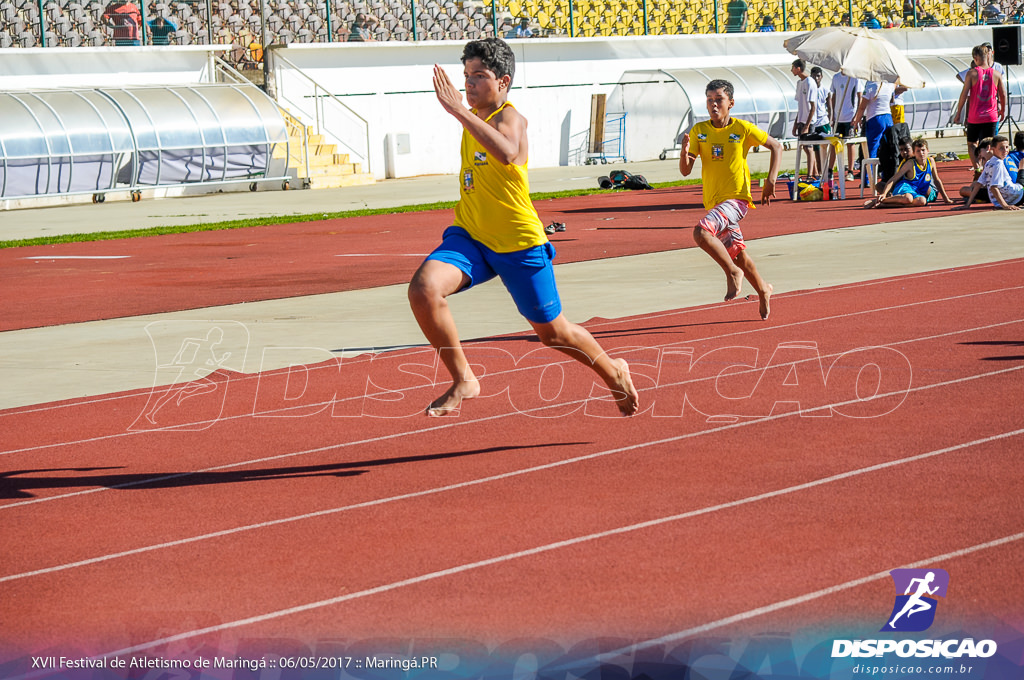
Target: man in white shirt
{"points": [[845, 94], [806, 105], [874, 108]]}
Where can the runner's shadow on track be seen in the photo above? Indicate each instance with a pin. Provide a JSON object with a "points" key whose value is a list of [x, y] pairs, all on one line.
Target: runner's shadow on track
{"points": [[655, 330], [17, 485], [999, 343], [667, 207]]}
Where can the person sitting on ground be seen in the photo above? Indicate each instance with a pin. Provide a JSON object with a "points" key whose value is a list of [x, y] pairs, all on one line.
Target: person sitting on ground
{"points": [[1016, 157], [983, 151], [915, 184], [904, 146], [1003, 192]]}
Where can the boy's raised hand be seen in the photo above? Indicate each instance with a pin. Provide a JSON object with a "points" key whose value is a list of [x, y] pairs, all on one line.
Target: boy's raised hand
{"points": [[447, 93], [684, 142]]}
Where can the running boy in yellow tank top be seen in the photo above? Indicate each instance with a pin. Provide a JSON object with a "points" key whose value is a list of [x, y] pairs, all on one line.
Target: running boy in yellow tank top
{"points": [[496, 232], [722, 144]]}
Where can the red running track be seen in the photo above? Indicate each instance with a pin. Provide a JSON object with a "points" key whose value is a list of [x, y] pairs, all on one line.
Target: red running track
{"points": [[778, 472], [111, 279]]}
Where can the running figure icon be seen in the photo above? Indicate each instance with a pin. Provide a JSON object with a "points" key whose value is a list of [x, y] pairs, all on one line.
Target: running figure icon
{"points": [[916, 604]]}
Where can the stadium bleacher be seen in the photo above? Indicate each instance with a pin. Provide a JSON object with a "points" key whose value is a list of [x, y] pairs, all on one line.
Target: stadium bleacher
{"points": [[249, 23]]}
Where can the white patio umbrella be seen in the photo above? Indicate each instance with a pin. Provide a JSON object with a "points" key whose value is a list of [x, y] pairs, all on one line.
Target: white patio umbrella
{"points": [[855, 52]]}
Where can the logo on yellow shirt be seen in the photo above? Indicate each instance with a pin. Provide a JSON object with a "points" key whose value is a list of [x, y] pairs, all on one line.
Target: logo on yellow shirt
{"points": [[480, 157], [717, 152]]}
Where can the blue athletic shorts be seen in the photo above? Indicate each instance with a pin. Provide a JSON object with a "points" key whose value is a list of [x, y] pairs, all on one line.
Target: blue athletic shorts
{"points": [[528, 275], [904, 187], [873, 131]]}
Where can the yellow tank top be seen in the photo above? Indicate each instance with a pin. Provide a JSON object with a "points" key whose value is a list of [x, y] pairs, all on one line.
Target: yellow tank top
{"points": [[494, 204], [723, 158]]}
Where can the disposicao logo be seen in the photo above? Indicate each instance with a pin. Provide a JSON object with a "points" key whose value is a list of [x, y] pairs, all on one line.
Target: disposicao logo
{"points": [[915, 605], [914, 611]]}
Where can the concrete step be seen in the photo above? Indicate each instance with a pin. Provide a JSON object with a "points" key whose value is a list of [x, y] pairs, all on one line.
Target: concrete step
{"points": [[328, 180]]}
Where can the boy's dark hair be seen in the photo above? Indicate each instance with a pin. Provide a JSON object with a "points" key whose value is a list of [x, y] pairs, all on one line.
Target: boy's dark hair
{"points": [[720, 84], [984, 143], [904, 141], [816, 71], [495, 54], [1018, 140], [799, 63], [1000, 138]]}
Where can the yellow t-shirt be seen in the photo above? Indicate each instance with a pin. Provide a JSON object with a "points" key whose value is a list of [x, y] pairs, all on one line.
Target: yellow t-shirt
{"points": [[494, 204], [723, 158]]}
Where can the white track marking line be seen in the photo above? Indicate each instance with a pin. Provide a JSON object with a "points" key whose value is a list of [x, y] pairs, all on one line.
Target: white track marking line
{"points": [[130, 433], [77, 257], [656, 315], [549, 466], [508, 557], [398, 435], [808, 597]]}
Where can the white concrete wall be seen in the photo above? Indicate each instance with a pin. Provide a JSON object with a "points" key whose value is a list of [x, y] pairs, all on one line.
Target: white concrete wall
{"points": [[78, 67], [390, 85]]}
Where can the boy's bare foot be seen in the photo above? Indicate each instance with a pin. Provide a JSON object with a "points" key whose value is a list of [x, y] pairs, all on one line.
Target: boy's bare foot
{"points": [[626, 397], [734, 282], [448, 403], [765, 301]]}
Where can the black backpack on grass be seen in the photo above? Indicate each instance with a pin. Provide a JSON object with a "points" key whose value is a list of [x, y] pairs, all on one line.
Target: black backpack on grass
{"points": [[621, 179]]}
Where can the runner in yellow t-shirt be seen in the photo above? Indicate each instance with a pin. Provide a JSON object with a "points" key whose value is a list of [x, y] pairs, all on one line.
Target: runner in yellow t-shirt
{"points": [[722, 144], [497, 232]]}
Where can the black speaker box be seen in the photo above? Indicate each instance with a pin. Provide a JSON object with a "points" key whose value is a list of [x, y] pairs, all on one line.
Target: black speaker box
{"points": [[1006, 45]]}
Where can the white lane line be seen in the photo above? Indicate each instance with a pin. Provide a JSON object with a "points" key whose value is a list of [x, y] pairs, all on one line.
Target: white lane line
{"points": [[610, 322], [77, 257], [523, 471], [132, 433], [432, 576], [808, 597]]}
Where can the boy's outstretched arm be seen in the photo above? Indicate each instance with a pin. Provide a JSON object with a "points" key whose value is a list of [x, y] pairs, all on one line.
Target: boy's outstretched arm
{"points": [[901, 172], [941, 187], [686, 157], [505, 140], [975, 187], [1002, 201], [768, 190]]}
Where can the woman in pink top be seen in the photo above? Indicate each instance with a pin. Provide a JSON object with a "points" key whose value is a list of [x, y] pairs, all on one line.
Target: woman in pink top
{"points": [[987, 91]]}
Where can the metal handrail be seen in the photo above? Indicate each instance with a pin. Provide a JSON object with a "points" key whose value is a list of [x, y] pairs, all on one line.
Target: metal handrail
{"points": [[321, 95]]}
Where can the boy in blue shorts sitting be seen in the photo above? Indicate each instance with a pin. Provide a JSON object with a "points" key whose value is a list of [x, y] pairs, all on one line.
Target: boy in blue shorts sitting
{"points": [[915, 184], [496, 232]]}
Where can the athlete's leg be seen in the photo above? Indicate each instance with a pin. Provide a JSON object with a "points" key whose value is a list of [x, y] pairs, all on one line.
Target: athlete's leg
{"points": [[577, 342], [432, 283]]}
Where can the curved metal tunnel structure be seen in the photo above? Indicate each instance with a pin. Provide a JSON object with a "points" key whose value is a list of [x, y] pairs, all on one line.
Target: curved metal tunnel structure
{"points": [[59, 142]]}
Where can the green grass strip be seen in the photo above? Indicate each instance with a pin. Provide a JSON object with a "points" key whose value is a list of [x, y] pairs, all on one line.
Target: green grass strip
{"points": [[291, 219]]}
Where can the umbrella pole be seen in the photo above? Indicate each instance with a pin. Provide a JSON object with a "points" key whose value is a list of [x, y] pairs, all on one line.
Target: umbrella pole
{"points": [[849, 12]]}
